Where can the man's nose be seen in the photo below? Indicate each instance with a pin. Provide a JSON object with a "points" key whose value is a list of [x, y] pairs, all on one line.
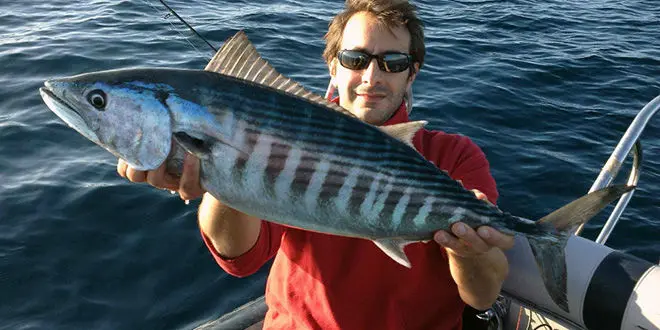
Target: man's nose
{"points": [[372, 73]]}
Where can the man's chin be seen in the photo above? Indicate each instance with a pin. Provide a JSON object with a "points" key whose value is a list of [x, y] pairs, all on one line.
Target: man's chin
{"points": [[373, 115]]}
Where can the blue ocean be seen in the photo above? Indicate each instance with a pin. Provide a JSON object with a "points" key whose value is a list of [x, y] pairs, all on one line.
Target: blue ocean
{"points": [[546, 88]]}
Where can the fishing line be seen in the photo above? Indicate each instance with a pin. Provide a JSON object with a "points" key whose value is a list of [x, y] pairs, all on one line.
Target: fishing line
{"points": [[176, 29], [188, 25]]}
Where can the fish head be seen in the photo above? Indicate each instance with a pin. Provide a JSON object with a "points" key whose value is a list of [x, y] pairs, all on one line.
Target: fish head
{"points": [[122, 114]]}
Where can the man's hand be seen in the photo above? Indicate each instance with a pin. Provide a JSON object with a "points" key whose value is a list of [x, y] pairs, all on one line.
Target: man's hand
{"points": [[466, 242], [187, 186], [476, 260]]}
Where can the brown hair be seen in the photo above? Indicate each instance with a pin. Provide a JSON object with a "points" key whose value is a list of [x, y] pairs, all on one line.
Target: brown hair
{"points": [[391, 13]]}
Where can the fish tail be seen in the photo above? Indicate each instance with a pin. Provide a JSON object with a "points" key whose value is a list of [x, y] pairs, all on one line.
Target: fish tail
{"points": [[551, 261], [548, 243]]}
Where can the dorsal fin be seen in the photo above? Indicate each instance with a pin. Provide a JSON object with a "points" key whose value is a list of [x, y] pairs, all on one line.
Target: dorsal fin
{"points": [[239, 58]]}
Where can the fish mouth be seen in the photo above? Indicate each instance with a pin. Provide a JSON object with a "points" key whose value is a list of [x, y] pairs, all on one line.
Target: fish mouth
{"points": [[66, 112], [47, 93]]}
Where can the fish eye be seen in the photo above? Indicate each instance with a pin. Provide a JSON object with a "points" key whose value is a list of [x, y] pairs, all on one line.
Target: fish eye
{"points": [[97, 99]]}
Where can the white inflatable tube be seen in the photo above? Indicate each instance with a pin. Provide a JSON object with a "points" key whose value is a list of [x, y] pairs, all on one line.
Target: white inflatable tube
{"points": [[606, 289]]}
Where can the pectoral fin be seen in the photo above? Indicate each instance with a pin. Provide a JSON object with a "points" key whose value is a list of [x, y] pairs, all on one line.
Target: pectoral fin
{"points": [[197, 147], [393, 247]]}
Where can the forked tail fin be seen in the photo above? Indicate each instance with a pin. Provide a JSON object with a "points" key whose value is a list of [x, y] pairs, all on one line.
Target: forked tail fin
{"points": [[548, 246], [551, 260]]}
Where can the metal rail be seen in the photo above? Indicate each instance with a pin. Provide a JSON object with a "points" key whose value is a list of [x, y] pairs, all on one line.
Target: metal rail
{"points": [[609, 172]]}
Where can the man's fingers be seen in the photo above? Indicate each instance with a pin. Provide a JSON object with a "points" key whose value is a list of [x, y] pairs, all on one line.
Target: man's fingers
{"points": [[447, 240], [161, 179], [121, 168], [158, 178], [464, 241], [495, 238], [190, 187], [469, 238], [135, 175]]}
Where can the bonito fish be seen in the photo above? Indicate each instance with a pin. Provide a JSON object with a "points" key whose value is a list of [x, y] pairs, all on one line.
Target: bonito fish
{"points": [[273, 150]]}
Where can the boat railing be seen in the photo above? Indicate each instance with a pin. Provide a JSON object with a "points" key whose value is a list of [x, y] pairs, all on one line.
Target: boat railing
{"points": [[629, 142]]}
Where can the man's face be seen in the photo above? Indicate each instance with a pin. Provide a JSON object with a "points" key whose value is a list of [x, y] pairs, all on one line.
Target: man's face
{"points": [[371, 94]]}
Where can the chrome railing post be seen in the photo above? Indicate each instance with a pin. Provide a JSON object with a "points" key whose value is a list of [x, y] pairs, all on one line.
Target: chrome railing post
{"points": [[613, 165]]}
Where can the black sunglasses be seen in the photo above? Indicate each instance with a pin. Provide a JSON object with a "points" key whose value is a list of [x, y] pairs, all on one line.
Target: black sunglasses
{"points": [[388, 62]]}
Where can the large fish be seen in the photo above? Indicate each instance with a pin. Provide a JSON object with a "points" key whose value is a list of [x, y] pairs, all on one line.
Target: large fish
{"points": [[273, 150]]}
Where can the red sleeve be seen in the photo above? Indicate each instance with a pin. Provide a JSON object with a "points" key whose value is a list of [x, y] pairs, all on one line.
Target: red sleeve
{"points": [[461, 158], [249, 263]]}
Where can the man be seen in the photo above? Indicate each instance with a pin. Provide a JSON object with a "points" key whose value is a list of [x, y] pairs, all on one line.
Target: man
{"points": [[330, 282]]}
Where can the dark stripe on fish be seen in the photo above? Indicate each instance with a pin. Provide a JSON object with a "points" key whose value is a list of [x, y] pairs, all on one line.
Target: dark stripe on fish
{"points": [[333, 182], [359, 192], [250, 139], [417, 201], [279, 152], [304, 172], [392, 200]]}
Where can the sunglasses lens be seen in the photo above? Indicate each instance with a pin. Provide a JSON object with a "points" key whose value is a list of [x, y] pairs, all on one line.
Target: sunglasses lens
{"points": [[356, 60], [395, 62], [353, 60]]}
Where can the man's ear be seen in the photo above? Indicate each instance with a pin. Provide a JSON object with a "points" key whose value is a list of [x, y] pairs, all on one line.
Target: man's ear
{"points": [[332, 67]]}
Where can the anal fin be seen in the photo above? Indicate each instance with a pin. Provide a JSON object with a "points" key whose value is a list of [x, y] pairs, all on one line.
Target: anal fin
{"points": [[393, 247]]}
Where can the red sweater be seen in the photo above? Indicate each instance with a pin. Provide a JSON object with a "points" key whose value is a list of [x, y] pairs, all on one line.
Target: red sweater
{"points": [[321, 281]]}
